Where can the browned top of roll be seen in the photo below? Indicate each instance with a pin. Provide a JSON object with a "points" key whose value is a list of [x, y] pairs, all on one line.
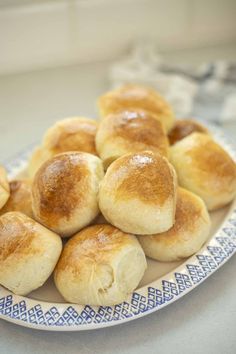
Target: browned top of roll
{"points": [[72, 134], [133, 96], [20, 197], [55, 187], [188, 210], [145, 175], [94, 244], [184, 127], [17, 233], [137, 128], [209, 157]]}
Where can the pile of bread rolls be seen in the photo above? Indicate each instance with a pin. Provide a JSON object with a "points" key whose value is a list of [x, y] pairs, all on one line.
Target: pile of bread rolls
{"points": [[135, 183]]}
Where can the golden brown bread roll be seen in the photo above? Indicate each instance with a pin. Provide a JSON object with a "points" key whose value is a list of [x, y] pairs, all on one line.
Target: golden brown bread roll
{"points": [[29, 253], [138, 193], [20, 198], [205, 168], [183, 128], [132, 96], [186, 237], [100, 265], [4, 187], [128, 132], [70, 134], [64, 191]]}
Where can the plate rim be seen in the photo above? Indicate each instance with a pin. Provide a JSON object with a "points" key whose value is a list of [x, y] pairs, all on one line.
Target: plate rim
{"points": [[51, 316]]}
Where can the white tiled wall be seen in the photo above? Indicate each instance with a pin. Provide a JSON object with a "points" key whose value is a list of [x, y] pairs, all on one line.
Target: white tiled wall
{"points": [[37, 34]]}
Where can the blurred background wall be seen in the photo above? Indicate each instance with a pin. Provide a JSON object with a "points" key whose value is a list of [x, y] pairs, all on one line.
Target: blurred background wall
{"points": [[36, 34]]}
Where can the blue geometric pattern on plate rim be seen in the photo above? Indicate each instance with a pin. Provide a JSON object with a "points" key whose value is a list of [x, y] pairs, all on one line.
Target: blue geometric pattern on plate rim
{"points": [[69, 317]]}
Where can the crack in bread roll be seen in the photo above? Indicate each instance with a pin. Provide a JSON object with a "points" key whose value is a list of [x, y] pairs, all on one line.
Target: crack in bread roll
{"points": [[128, 132], [64, 192], [183, 128], [69, 134], [100, 265], [4, 187], [205, 168], [138, 193], [29, 253], [189, 232], [20, 198], [132, 96]]}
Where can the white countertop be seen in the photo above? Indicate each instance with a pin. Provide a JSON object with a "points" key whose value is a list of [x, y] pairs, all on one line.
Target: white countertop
{"points": [[203, 321]]}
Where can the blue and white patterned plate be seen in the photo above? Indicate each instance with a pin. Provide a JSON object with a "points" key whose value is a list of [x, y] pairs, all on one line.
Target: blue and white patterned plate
{"points": [[173, 281]]}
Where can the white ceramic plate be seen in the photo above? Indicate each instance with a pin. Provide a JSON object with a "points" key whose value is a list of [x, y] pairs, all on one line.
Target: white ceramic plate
{"points": [[162, 284]]}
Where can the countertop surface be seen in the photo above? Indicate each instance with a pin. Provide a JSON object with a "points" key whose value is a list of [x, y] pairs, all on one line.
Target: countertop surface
{"points": [[204, 321]]}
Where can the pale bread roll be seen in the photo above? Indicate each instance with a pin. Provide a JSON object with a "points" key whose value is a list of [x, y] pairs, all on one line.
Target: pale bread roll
{"points": [[20, 198], [4, 187], [138, 193], [127, 132], [29, 253], [186, 237], [205, 168], [183, 128], [100, 265], [69, 134], [137, 96], [64, 192], [38, 157]]}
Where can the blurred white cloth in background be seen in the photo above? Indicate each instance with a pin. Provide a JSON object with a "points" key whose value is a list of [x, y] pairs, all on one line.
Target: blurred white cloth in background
{"points": [[207, 91]]}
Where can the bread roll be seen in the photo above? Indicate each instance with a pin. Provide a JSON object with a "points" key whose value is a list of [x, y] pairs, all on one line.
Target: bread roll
{"points": [[70, 134], [183, 128], [205, 168], [64, 192], [186, 237], [38, 157], [127, 132], [4, 187], [20, 198], [100, 265], [138, 193], [29, 253], [135, 96]]}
